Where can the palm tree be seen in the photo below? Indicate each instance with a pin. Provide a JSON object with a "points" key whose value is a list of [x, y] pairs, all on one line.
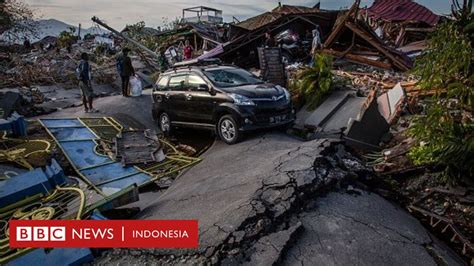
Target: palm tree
{"points": [[315, 82]]}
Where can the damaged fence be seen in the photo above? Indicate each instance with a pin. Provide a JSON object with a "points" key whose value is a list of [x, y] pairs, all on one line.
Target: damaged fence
{"points": [[79, 143]]}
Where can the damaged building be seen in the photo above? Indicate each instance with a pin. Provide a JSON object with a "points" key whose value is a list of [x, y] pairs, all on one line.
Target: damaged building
{"points": [[248, 35], [400, 22]]}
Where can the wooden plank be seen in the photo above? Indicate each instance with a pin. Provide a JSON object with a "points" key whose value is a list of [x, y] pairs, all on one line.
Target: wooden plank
{"points": [[358, 59], [339, 25], [396, 61]]}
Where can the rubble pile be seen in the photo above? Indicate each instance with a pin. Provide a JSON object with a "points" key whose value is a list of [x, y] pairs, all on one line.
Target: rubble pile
{"points": [[55, 65], [368, 77]]}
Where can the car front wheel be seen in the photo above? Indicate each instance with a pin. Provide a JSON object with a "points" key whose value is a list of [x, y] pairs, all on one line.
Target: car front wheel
{"points": [[164, 123], [228, 130]]}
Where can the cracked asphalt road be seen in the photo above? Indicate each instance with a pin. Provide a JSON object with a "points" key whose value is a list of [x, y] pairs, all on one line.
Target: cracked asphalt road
{"points": [[218, 191], [264, 201], [363, 229]]}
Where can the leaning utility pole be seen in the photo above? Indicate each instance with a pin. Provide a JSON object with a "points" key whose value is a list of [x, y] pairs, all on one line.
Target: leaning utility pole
{"points": [[141, 46]]}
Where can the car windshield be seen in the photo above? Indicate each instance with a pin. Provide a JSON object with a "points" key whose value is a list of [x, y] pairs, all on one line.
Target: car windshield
{"points": [[231, 77]]}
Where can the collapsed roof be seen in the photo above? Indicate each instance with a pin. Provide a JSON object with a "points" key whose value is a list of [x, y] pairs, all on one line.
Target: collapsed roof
{"points": [[278, 12], [353, 39], [246, 36]]}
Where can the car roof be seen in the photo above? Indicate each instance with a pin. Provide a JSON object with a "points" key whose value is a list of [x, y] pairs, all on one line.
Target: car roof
{"points": [[197, 68]]}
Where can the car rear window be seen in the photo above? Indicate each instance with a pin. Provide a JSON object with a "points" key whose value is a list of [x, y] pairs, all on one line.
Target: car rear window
{"points": [[162, 83]]}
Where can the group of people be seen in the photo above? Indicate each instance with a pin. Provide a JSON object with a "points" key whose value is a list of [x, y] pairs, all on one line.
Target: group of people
{"points": [[126, 70], [84, 75]]}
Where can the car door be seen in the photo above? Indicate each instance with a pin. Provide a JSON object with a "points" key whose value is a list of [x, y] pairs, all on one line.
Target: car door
{"points": [[200, 103], [176, 98]]}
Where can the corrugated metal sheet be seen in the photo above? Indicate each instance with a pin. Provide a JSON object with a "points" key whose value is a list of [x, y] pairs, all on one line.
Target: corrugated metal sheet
{"points": [[259, 21], [278, 12], [287, 9], [402, 10]]}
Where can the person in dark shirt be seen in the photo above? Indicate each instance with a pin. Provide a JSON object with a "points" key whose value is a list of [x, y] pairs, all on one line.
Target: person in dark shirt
{"points": [[269, 40], [84, 75], [125, 70]]}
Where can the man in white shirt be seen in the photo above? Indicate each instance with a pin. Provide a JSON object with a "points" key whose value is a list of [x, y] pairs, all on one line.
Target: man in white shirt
{"points": [[316, 40], [316, 44]]}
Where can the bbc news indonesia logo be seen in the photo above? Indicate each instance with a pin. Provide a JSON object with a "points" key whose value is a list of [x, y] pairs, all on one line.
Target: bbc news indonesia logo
{"points": [[104, 234]]}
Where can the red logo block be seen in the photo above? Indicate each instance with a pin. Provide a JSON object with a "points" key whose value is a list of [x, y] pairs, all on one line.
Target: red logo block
{"points": [[104, 234]]}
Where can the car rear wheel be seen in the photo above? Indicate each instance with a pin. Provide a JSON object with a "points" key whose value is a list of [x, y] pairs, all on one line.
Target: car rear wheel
{"points": [[228, 130], [164, 123]]}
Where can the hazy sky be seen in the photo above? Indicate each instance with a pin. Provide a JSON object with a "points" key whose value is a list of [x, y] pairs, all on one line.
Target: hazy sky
{"points": [[118, 13]]}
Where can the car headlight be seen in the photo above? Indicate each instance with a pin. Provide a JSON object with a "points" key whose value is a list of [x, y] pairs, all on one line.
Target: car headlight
{"points": [[287, 93], [241, 100]]}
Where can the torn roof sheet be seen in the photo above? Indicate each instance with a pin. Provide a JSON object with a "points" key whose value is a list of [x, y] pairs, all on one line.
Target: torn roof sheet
{"points": [[402, 10]]}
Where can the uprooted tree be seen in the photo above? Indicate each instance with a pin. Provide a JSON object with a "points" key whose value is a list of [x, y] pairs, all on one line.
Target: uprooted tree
{"points": [[16, 19], [445, 131]]}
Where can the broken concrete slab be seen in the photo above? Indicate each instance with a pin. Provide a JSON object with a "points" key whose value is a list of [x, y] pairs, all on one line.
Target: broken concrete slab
{"points": [[390, 103], [333, 114], [367, 129], [317, 117], [348, 110]]}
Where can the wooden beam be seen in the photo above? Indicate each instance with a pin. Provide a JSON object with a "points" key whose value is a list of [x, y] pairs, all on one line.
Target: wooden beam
{"points": [[340, 22], [358, 59], [258, 34], [377, 45]]}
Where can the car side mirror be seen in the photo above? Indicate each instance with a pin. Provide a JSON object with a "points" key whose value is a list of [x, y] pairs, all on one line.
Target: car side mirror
{"points": [[204, 87]]}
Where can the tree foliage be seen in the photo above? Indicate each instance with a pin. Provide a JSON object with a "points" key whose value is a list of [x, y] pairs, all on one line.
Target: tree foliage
{"points": [[445, 130], [139, 33], [16, 18], [67, 38], [315, 83]]}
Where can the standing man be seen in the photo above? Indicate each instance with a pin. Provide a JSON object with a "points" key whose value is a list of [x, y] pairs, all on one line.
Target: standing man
{"points": [[316, 44], [316, 40], [83, 72], [126, 70]]}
